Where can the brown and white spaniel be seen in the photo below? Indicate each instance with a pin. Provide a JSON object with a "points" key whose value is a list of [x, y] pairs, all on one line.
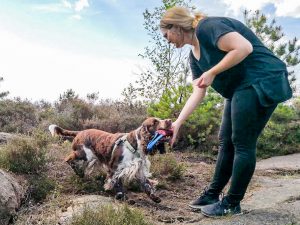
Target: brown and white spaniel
{"points": [[124, 154]]}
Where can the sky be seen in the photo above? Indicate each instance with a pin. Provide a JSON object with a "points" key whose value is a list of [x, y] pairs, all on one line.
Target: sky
{"points": [[90, 46]]}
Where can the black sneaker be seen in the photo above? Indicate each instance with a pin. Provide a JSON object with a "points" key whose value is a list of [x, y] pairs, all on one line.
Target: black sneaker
{"points": [[221, 208], [206, 198]]}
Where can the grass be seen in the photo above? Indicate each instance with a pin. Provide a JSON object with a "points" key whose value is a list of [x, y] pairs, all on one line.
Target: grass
{"points": [[109, 215], [167, 166]]}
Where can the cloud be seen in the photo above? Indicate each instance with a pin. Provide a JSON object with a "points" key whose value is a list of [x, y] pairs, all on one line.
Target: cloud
{"points": [[290, 8], [76, 17], [67, 4], [81, 4], [64, 6], [53, 8]]}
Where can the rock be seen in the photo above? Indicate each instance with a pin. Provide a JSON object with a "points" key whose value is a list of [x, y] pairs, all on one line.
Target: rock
{"points": [[273, 192], [78, 205], [11, 194], [256, 217], [288, 162]]}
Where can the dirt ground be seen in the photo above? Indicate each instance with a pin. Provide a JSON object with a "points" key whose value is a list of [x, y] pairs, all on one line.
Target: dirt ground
{"points": [[175, 195]]}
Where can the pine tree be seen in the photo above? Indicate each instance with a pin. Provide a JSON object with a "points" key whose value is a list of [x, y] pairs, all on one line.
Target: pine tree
{"points": [[273, 37]]}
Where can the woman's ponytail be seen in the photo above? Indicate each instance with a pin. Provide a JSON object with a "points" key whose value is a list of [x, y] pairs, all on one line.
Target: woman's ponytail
{"points": [[197, 18]]}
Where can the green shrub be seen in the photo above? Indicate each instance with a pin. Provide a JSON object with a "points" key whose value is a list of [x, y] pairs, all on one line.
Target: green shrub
{"points": [[203, 123], [40, 187], [26, 155], [281, 135], [109, 215], [83, 185], [167, 166]]}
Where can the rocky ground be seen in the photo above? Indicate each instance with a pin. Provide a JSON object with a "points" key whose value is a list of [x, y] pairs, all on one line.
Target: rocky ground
{"points": [[273, 197]]}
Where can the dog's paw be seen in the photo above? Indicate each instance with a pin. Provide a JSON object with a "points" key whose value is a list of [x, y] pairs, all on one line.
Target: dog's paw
{"points": [[121, 196], [153, 182]]}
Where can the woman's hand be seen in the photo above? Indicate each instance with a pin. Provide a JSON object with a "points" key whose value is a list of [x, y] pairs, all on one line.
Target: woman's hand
{"points": [[175, 127], [206, 79]]}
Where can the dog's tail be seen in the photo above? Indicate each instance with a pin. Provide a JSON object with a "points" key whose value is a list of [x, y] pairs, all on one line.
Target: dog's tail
{"points": [[56, 130]]}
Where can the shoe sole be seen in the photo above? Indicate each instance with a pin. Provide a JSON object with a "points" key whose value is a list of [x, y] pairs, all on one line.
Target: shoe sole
{"points": [[197, 207], [228, 215]]}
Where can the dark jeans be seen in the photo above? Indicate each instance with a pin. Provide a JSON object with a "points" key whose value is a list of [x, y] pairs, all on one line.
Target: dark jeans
{"points": [[243, 120]]}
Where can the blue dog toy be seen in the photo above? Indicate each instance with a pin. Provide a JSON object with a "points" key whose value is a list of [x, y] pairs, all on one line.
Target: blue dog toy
{"points": [[158, 136]]}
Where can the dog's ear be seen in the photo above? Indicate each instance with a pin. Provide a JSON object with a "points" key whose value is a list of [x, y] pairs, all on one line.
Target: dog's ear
{"points": [[70, 157], [145, 138], [88, 143]]}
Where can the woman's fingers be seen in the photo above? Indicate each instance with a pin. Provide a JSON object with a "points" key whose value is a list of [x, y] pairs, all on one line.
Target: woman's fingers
{"points": [[202, 84], [173, 140], [175, 130]]}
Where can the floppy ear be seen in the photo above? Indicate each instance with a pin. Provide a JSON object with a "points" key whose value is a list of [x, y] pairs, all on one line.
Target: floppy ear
{"points": [[145, 138], [70, 157]]}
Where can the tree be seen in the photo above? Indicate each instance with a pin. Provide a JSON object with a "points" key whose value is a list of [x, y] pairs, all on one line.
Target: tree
{"points": [[68, 95], [92, 97], [5, 93], [273, 37], [168, 66]]}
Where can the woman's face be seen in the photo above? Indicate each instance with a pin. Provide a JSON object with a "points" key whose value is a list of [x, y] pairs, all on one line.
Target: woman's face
{"points": [[174, 35]]}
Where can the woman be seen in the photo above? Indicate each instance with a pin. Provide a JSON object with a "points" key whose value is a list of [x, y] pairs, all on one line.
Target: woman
{"points": [[228, 56]]}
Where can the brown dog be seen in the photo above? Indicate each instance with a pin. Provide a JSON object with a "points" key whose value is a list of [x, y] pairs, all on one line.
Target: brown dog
{"points": [[124, 154]]}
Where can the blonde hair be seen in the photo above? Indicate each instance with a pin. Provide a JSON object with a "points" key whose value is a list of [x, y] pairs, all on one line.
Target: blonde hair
{"points": [[181, 17]]}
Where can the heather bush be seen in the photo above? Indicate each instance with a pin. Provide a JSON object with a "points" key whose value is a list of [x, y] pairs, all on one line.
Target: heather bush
{"points": [[26, 155], [116, 116], [72, 113], [92, 185], [166, 166], [39, 187], [17, 116], [110, 215], [112, 116]]}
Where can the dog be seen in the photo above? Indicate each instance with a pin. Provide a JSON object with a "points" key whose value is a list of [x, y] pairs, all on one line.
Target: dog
{"points": [[125, 155]]}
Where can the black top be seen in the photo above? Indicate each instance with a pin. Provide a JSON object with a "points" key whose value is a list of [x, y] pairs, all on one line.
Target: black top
{"points": [[259, 65]]}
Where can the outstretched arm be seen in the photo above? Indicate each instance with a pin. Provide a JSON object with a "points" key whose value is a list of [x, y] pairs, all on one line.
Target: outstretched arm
{"points": [[193, 101]]}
